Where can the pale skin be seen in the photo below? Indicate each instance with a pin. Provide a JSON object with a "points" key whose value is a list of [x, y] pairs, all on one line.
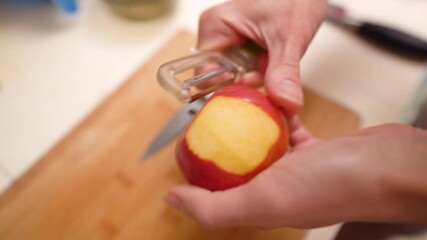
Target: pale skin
{"points": [[378, 174]]}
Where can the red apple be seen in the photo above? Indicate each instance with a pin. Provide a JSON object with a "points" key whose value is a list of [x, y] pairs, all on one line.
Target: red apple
{"points": [[238, 133]]}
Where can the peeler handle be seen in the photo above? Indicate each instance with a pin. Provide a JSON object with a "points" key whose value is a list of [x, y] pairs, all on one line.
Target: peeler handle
{"points": [[248, 53]]}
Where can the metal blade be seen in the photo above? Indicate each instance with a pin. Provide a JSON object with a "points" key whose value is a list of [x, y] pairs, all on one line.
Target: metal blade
{"points": [[174, 127]]}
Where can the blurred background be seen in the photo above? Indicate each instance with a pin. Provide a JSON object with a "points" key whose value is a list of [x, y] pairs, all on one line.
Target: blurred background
{"points": [[57, 65]]}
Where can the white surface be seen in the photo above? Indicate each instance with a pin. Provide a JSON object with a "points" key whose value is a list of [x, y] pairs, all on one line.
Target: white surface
{"points": [[5, 178], [55, 70]]}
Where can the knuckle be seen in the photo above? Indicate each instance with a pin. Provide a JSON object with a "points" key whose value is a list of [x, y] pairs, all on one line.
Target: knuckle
{"points": [[210, 15], [288, 64], [284, 69], [215, 13], [206, 16]]}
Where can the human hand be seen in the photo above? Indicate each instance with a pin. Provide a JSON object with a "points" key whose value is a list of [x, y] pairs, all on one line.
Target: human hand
{"points": [[285, 28], [375, 174]]}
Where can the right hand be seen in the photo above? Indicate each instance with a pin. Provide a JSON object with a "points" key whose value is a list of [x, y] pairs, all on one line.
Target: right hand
{"points": [[284, 28]]}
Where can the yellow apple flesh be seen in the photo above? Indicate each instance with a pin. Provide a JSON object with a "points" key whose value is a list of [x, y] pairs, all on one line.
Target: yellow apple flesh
{"points": [[236, 134]]}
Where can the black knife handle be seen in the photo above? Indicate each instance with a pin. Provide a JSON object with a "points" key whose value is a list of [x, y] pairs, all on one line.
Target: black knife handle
{"points": [[395, 39]]}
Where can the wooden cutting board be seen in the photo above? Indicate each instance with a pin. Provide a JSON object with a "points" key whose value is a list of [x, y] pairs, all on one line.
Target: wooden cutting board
{"points": [[91, 185]]}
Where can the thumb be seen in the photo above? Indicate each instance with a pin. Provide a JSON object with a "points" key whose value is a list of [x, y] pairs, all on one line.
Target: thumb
{"points": [[211, 209], [282, 78]]}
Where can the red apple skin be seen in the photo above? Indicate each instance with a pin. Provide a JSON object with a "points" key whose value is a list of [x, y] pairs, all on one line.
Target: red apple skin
{"points": [[210, 176]]}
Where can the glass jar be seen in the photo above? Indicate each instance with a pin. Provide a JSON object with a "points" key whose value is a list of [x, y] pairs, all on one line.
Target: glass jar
{"points": [[141, 9]]}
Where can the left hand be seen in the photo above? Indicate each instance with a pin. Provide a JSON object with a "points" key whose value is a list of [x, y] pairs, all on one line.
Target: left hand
{"points": [[375, 174]]}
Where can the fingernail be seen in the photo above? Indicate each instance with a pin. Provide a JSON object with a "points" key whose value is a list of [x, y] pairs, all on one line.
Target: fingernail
{"points": [[290, 91], [174, 201]]}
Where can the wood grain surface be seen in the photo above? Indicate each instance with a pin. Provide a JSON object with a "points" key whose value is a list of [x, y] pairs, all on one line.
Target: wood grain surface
{"points": [[91, 185]]}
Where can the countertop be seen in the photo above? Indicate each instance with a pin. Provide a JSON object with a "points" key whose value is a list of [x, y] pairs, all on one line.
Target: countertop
{"points": [[55, 69]]}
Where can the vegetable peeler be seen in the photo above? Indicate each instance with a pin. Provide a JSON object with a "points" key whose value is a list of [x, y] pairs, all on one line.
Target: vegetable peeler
{"points": [[224, 67]]}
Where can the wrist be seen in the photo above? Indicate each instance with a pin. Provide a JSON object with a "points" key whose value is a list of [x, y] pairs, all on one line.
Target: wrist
{"points": [[406, 184], [389, 174]]}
